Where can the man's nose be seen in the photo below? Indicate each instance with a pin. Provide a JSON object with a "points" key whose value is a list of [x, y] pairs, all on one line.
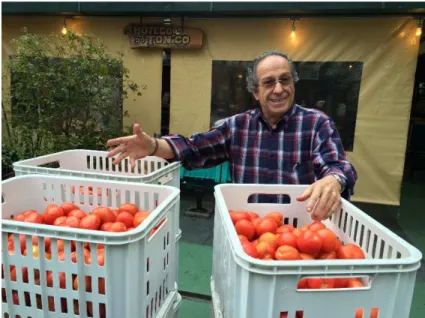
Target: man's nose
{"points": [[278, 87]]}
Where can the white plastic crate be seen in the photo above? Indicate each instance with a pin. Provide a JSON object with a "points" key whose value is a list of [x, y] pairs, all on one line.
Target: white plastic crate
{"points": [[139, 270], [170, 308], [251, 288], [96, 164], [215, 302]]}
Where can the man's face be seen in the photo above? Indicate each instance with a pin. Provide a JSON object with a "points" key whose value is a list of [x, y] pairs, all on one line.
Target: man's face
{"points": [[275, 97]]}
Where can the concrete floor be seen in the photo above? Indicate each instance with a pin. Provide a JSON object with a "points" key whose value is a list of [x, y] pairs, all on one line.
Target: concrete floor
{"points": [[196, 245]]}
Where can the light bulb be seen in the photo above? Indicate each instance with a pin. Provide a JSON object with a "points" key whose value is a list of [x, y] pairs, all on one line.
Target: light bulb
{"points": [[293, 34], [418, 31], [64, 30]]}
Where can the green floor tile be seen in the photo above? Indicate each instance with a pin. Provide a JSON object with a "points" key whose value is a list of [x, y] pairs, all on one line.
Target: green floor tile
{"points": [[195, 268], [194, 309], [418, 302]]}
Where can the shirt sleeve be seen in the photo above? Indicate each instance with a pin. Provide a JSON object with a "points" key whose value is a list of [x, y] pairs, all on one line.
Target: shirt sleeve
{"points": [[201, 150], [329, 156]]}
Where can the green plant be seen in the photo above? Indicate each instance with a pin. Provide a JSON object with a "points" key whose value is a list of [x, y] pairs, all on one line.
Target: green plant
{"points": [[67, 92]]}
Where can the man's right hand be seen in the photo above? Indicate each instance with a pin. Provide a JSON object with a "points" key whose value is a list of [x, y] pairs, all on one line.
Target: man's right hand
{"points": [[136, 146]]}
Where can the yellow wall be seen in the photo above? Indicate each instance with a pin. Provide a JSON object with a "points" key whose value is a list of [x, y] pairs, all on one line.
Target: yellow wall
{"points": [[145, 65], [387, 46]]}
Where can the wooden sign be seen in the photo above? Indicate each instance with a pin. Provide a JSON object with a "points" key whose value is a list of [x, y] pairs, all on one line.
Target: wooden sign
{"points": [[163, 36]]}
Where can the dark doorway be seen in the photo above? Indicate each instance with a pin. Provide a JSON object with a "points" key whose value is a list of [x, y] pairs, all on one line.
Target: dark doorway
{"points": [[165, 93]]}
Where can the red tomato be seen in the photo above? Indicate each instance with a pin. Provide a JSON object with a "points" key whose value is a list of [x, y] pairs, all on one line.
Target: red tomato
{"points": [[243, 239], [72, 221], [90, 222], [341, 282], [287, 253], [265, 250], [68, 207], [87, 281], [106, 215], [117, 227], [139, 217], [277, 216], [316, 226], [302, 284], [256, 221], [266, 225], [250, 249], [350, 251], [330, 255], [245, 228], [321, 283], [354, 283], [269, 238], [34, 217], [306, 256], [304, 227], [253, 216], [309, 242], [255, 242], [297, 232], [60, 245], [51, 213], [287, 238], [87, 256], [237, 216], [60, 221], [128, 207], [337, 244], [285, 228], [28, 212], [125, 217], [19, 217], [77, 213], [329, 240], [373, 313], [359, 313], [100, 257]]}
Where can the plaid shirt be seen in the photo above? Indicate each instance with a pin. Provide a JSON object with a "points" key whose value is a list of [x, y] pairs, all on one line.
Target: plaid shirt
{"points": [[304, 147]]}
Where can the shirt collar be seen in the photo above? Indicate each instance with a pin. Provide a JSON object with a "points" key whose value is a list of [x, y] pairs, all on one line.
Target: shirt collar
{"points": [[258, 113]]}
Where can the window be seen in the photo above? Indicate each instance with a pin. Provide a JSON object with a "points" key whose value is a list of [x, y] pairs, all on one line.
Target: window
{"points": [[332, 87]]}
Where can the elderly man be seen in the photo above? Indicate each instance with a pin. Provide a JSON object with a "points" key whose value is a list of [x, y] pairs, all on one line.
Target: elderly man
{"points": [[278, 143]]}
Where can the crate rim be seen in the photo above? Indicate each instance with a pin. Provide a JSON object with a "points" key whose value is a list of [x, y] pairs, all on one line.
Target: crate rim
{"points": [[109, 238], [24, 164], [304, 267]]}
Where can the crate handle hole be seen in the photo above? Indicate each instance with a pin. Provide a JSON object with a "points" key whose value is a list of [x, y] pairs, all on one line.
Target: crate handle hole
{"points": [[360, 313], [326, 283], [267, 198]]}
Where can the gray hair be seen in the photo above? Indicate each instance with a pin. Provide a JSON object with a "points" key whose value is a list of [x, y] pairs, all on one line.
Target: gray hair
{"points": [[251, 78]]}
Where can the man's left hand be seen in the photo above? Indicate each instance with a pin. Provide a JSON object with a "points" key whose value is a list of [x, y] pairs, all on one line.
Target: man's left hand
{"points": [[324, 198]]}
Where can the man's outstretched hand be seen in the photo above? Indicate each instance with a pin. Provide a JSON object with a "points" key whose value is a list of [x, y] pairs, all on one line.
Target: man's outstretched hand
{"points": [[323, 197], [136, 146]]}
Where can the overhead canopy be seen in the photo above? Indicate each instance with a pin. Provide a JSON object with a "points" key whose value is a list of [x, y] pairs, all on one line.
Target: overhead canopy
{"points": [[213, 9]]}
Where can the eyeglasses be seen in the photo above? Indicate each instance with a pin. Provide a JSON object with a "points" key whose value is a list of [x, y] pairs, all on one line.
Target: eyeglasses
{"points": [[271, 83]]}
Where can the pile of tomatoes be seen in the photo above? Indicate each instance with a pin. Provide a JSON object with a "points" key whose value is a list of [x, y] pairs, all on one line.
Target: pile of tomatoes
{"points": [[125, 218], [267, 238]]}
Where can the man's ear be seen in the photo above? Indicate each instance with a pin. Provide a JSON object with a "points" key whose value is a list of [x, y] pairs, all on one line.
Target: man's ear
{"points": [[256, 96]]}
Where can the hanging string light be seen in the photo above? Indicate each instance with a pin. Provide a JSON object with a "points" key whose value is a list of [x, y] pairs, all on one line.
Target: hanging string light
{"points": [[419, 27], [293, 29], [64, 29]]}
